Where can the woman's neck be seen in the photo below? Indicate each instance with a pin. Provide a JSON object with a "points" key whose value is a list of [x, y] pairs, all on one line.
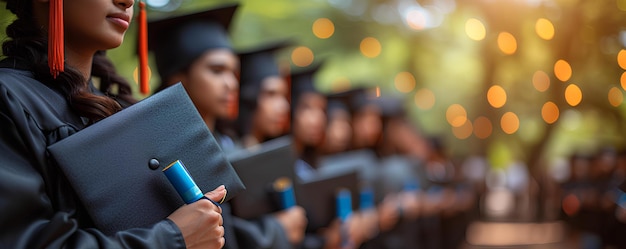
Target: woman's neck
{"points": [[81, 61], [209, 120]]}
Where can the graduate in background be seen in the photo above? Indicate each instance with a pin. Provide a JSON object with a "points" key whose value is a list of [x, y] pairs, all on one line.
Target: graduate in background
{"points": [[308, 130], [263, 114], [263, 95], [195, 49], [46, 96]]}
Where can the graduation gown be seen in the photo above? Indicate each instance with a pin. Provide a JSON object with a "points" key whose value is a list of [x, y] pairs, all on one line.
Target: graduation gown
{"points": [[39, 207]]}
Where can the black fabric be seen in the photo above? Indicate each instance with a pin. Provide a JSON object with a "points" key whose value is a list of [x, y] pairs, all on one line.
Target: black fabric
{"points": [[259, 166], [108, 165], [39, 207], [318, 196]]}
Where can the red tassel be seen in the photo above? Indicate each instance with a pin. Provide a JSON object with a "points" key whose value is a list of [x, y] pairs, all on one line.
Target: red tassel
{"points": [[56, 49], [144, 80]]}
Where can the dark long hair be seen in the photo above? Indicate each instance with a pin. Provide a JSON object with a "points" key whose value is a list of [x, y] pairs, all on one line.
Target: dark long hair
{"points": [[28, 45]]}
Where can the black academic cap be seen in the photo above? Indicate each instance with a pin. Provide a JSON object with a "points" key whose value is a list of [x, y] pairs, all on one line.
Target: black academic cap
{"points": [[115, 165], [177, 41], [302, 82], [391, 106], [259, 167], [257, 64]]}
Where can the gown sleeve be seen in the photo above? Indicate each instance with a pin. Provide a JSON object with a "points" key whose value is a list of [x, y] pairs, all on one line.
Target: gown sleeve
{"points": [[39, 208]]}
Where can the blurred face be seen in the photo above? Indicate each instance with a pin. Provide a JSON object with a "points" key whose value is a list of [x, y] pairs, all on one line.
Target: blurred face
{"points": [[310, 119], [338, 132], [367, 125], [272, 111], [92, 25], [211, 82]]}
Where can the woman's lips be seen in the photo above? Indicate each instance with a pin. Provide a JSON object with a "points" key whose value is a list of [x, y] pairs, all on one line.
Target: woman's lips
{"points": [[121, 19]]}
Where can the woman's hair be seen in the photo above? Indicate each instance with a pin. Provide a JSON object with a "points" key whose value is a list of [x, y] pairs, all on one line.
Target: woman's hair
{"points": [[28, 44]]}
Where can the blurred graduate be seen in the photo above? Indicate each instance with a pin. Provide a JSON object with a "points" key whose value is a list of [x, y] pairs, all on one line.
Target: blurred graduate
{"points": [[195, 49]]}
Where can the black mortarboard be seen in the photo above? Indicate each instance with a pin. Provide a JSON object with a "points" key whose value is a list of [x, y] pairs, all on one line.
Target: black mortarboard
{"points": [[391, 106], [303, 82], [115, 165], [257, 64], [259, 167], [343, 100], [318, 196], [177, 41]]}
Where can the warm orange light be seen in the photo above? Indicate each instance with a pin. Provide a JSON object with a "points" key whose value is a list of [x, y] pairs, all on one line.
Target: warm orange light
{"points": [[573, 95], [621, 5], [544, 29], [424, 99], [562, 70], [370, 47], [404, 82], [456, 115], [616, 97], [136, 74], [621, 59], [541, 81], [323, 28], [509, 123], [482, 127], [496, 96], [622, 80], [463, 131], [550, 112], [475, 29], [507, 43], [302, 56]]}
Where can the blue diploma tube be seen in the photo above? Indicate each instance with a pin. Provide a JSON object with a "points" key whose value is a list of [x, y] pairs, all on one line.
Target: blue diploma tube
{"points": [[286, 195], [366, 198], [344, 204], [180, 178]]}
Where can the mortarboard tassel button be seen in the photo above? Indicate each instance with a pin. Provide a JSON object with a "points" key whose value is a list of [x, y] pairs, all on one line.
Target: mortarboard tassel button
{"points": [[154, 164]]}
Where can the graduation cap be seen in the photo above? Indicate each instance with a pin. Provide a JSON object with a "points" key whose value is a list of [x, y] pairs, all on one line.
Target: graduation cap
{"points": [[177, 41], [391, 106], [115, 165], [259, 167]]}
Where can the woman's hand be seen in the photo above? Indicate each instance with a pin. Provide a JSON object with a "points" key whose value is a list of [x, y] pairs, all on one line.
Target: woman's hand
{"points": [[293, 221], [201, 222]]}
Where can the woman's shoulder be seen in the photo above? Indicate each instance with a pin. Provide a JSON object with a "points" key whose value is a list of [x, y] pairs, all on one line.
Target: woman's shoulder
{"points": [[22, 94]]}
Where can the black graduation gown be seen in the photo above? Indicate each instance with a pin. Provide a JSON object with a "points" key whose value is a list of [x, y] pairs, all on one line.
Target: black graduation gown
{"points": [[39, 207]]}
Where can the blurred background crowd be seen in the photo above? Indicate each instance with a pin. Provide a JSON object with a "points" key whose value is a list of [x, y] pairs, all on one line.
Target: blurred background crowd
{"points": [[512, 110]]}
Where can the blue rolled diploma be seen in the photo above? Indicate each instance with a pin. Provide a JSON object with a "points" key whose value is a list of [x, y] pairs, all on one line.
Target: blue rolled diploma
{"points": [[366, 198], [286, 195], [344, 204], [180, 178]]}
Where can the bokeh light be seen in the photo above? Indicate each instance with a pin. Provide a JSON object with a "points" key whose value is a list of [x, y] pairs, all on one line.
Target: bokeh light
{"points": [[496, 96], [136, 75], [573, 95], [621, 59], [544, 29], [416, 20], [475, 29], [464, 131], [424, 99], [616, 97], [456, 115], [370, 47], [482, 127], [562, 70], [302, 56], [323, 28], [404, 82], [621, 4], [509, 123], [541, 81], [507, 43], [550, 112], [622, 80]]}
